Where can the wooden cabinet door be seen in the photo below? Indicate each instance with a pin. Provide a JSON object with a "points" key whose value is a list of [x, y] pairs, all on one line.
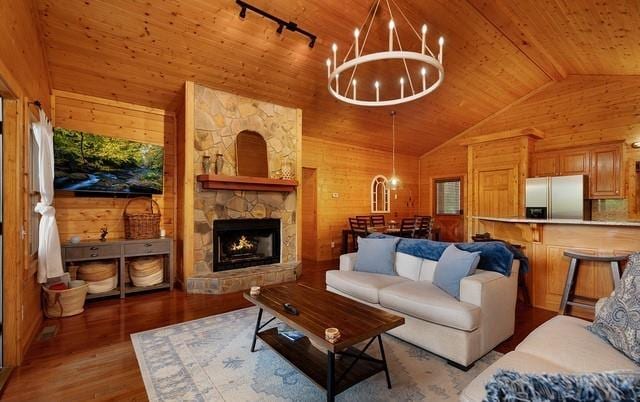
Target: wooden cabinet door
{"points": [[606, 177], [497, 193], [572, 163], [545, 165]]}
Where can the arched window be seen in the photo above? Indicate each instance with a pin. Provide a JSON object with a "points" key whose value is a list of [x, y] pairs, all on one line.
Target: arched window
{"points": [[380, 195]]}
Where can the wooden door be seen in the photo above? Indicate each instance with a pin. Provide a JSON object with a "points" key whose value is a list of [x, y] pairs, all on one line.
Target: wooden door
{"points": [[448, 211], [572, 163], [606, 178], [545, 165], [497, 193], [309, 214]]}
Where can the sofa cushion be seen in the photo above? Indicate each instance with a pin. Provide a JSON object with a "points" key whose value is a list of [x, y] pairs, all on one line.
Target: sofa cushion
{"points": [[618, 319], [452, 267], [427, 270], [565, 341], [426, 301], [521, 362], [408, 266], [361, 285], [377, 256]]}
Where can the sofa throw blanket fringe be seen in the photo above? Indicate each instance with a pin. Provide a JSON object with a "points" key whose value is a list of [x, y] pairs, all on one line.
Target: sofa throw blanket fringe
{"points": [[510, 386], [494, 256]]}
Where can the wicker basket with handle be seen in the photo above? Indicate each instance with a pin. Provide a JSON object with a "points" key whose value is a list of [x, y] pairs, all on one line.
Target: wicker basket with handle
{"points": [[142, 225]]}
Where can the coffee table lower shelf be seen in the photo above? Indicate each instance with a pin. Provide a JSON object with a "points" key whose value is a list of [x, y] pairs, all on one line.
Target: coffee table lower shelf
{"points": [[314, 364]]}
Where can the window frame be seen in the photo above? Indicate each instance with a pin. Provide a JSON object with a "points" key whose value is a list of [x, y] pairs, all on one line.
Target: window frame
{"points": [[460, 195]]}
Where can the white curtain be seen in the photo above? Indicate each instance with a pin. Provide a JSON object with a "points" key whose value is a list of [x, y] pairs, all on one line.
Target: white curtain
{"points": [[49, 256]]}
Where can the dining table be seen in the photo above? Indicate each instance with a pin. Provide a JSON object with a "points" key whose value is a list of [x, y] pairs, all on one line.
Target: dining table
{"points": [[392, 229]]}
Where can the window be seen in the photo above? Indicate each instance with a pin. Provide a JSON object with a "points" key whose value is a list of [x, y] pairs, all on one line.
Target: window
{"points": [[448, 197], [379, 195]]}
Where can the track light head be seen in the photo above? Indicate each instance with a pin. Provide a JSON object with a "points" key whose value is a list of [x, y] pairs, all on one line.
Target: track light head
{"points": [[243, 12]]}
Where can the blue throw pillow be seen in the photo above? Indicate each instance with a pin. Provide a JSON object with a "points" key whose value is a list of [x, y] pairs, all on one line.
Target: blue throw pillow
{"points": [[377, 256], [618, 321], [452, 267], [595, 387]]}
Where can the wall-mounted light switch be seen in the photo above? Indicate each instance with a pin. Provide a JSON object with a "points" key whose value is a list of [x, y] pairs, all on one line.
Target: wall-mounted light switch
{"points": [[335, 195]]}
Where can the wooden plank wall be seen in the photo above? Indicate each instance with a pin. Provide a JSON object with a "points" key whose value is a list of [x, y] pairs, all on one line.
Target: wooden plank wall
{"points": [[83, 216], [24, 76], [348, 171]]}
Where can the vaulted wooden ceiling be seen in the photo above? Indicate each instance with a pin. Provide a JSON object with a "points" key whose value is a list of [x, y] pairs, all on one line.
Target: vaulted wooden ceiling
{"points": [[496, 52]]}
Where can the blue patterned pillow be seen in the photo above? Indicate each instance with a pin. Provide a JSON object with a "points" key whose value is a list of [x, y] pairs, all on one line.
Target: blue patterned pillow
{"points": [[596, 387], [618, 321]]}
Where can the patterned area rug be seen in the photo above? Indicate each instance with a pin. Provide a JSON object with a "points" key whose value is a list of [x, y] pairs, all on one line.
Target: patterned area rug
{"points": [[210, 360]]}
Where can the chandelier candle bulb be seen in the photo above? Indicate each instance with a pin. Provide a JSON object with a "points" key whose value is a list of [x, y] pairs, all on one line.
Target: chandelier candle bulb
{"points": [[424, 37], [441, 43], [334, 47], [402, 87], [356, 35], [392, 26], [328, 68], [337, 83], [355, 83], [424, 78], [377, 85]]}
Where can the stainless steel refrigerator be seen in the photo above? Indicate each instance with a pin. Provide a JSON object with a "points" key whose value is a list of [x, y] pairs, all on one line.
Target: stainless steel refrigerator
{"points": [[559, 197]]}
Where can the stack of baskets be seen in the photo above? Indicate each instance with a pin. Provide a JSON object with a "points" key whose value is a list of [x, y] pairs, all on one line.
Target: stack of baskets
{"points": [[147, 271], [65, 302], [101, 276]]}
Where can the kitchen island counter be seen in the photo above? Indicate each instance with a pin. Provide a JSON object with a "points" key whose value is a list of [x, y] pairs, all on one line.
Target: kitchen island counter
{"points": [[560, 221]]}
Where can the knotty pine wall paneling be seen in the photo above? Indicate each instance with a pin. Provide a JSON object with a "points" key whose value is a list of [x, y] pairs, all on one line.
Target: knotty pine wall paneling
{"points": [[348, 171], [84, 216], [24, 77]]}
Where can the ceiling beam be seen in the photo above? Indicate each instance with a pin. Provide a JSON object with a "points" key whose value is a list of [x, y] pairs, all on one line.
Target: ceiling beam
{"points": [[500, 16]]}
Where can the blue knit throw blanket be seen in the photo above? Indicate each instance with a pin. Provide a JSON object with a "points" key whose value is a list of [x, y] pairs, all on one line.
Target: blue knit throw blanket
{"points": [[510, 386], [494, 256]]}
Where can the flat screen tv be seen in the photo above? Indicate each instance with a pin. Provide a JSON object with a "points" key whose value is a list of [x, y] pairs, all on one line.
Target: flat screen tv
{"points": [[92, 163]]}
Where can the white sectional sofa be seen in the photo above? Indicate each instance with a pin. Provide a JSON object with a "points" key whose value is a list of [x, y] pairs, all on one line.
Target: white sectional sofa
{"points": [[561, 345], [461, 331]]}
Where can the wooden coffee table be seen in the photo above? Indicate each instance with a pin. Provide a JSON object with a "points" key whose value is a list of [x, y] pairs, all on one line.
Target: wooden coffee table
{"points": [[318, 310]]}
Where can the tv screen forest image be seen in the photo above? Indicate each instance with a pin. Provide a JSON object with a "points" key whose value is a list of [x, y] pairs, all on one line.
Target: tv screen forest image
{"points": [[95, 163]]}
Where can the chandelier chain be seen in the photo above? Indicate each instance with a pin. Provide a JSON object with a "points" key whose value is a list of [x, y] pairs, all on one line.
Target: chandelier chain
{"points": [[364, 42], [404, 61], [393, 146]]}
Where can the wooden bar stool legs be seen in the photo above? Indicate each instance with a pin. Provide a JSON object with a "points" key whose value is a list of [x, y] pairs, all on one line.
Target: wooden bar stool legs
{"points": [[568, 298]]}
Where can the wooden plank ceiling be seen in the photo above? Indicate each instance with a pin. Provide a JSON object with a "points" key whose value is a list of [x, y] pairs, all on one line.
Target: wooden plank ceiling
{"points": [[496, 52]]}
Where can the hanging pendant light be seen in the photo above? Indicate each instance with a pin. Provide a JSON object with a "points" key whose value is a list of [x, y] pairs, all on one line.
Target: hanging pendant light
{"points": [[394, 182]]}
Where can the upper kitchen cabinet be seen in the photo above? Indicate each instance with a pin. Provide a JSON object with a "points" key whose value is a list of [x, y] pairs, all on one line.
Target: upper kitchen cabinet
{"points": [[602, 163], [606, 178]]}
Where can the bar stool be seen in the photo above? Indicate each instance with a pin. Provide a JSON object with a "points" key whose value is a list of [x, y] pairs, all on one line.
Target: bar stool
{"points": [[568, 297]]}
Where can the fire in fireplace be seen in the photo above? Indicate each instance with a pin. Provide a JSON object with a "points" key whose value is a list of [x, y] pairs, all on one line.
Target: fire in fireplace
{"points": [[240, 243]]}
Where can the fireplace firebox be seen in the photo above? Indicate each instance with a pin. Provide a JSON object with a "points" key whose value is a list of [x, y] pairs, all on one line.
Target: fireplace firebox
{"points": [[240, 243]]}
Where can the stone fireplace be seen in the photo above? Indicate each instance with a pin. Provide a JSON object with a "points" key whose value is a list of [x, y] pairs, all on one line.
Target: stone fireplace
{"points": [[273, 257], [241, 243]]}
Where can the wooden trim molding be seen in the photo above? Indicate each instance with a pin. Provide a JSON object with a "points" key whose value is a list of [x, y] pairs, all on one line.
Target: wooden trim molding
{"points": [[530, 132]]}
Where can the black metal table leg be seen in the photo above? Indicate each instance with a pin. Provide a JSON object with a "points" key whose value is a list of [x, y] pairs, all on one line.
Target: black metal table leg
{"points": [[331, 386], [255, 334], [384, 362]]}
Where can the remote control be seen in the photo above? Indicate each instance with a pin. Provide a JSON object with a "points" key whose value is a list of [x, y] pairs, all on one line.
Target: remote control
{"points": [[289, 308]]}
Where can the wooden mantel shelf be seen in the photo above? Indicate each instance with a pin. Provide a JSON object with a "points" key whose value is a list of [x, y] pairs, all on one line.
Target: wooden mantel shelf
{"points": [[246, 183]]}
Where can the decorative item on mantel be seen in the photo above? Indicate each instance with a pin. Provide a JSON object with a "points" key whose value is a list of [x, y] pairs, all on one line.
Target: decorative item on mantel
{"points": [[286, 170], [219, 163], [206, 163]]}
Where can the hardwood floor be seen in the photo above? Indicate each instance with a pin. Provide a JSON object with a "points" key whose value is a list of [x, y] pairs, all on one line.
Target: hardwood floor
{"points": [[91, 356]]}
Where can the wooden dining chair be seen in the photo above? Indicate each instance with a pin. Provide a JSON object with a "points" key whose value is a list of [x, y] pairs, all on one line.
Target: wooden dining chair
{"points": [[365, 219], [424, 224], [407, 227], [378, 220], [359, 228]]}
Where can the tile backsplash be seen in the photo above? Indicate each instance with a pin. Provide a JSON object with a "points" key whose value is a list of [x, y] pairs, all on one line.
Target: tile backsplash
{"points": [[609, 210]]}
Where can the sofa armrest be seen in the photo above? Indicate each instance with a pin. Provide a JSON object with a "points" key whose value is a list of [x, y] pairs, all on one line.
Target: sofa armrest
{"points": [[348, 262], [496, 296]]}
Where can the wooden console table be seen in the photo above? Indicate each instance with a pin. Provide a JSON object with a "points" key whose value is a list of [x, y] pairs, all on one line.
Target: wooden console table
{"points": [[121, 250]]}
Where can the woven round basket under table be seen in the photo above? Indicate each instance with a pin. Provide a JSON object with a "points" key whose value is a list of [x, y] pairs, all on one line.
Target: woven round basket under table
{"points": [[96, 271], [146, 271], [63, 303], [142, 225], [104, 285]]}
